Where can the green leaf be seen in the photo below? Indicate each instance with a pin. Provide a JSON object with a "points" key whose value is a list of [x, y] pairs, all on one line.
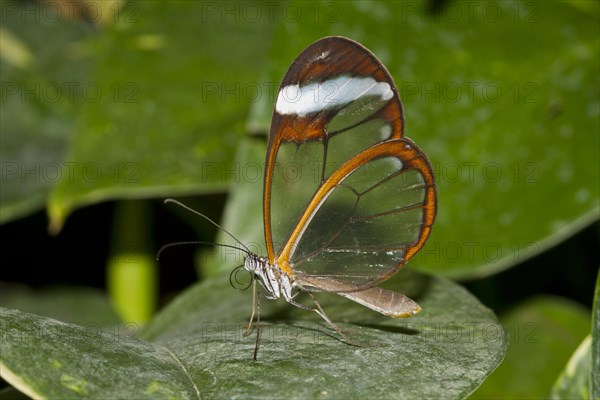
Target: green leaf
{"points": [[574, 381], [42, 82], [544, 333], [47, 358], [450, 341], [196, 342], [164, 73]]}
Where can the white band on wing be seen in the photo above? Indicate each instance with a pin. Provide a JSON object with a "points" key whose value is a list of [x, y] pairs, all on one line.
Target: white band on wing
{"points": [[333, 93]]}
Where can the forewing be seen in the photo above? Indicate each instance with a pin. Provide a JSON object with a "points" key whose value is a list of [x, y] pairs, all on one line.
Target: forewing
{"points": [[335, 101]]}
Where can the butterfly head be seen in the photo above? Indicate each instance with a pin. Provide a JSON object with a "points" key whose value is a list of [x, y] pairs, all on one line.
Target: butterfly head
{"points": [[276, 282], [255, 264]]}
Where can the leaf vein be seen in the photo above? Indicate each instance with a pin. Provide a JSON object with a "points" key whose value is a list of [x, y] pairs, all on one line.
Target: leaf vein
{"points": [[185, 371]]}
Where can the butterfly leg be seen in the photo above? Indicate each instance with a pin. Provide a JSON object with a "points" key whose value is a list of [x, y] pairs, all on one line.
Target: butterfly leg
{"points": [[322, 314], [255, 311], [248, 328], [258, 330]]}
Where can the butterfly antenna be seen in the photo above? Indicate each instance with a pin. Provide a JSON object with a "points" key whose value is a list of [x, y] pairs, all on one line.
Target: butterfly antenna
{"points": [[247, 250], [166, 246]]}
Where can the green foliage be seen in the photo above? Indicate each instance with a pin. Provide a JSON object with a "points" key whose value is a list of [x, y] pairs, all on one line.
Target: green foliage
{"points": [[158, 99], [501, 131], [195, 345], [36, 117], [574, 381], [581, 376], [544, 332]]}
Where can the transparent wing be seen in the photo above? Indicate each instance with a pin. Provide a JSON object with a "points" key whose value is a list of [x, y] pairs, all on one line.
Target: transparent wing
{"points": [[367, 219], [335, 101]]}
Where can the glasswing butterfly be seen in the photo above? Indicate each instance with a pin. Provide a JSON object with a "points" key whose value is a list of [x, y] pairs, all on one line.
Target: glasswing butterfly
{"points": [[347, 199]]}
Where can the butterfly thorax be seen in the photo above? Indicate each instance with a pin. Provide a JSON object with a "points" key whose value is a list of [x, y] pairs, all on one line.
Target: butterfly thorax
{"points": [[276, 282]]}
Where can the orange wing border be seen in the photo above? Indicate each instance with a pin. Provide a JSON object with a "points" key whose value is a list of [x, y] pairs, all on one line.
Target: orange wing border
{"points": [[412, 157]]}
